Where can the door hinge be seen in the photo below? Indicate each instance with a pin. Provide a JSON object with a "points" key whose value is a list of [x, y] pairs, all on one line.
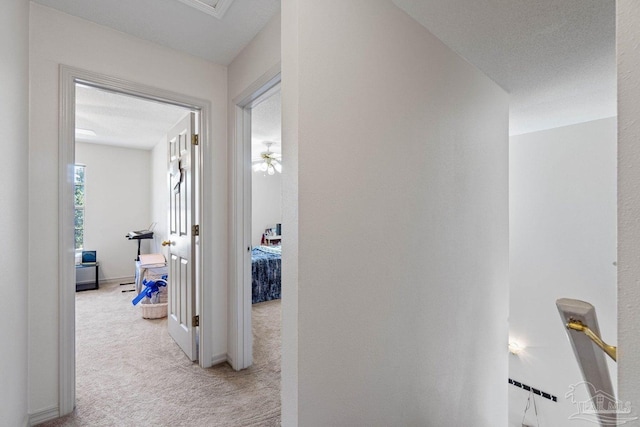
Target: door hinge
{"points": [[195, 230], [195, 139], [195, 321]]}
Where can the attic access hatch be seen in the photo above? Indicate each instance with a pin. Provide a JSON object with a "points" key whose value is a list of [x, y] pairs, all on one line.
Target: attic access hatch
{"points": [[215, 8]]}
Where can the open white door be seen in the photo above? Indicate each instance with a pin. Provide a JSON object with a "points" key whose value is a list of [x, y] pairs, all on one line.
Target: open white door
{"points": [[182, 319]]}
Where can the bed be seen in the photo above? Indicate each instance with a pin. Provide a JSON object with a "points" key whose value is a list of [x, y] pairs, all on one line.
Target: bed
{"points": [[265, 273]]}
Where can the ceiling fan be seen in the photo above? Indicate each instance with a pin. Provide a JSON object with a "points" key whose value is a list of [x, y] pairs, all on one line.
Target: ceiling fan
{"points": [[269, 161]]}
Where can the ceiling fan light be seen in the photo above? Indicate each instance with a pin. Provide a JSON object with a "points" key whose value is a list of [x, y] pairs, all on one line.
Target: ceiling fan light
{"points": [[271, 170], [278, 167], [264, 166]]}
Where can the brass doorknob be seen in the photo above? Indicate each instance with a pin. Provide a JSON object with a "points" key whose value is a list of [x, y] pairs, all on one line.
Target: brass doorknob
{"points": [[166, 243]]}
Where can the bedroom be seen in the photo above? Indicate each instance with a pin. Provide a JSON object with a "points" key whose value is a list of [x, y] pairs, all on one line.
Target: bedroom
{"points": [[266, 198], [121, 141], [121, 147]]}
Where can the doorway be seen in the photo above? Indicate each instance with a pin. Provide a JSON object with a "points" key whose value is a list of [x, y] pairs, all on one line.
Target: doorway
{"points": [[266, 228], [240, 333], [70, 78], [122, 144]]}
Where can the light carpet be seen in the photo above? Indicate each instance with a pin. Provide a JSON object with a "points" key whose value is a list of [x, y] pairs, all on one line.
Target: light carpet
{"points": [[131, 373]]}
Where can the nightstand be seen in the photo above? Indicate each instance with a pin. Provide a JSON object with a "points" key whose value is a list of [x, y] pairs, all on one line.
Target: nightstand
{"points": [[273, 240], [85, 286]]}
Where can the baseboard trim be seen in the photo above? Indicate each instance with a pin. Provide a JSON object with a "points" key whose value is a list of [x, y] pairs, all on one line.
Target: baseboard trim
{"points": [[111, 280], [44, 415], [220, 358]]}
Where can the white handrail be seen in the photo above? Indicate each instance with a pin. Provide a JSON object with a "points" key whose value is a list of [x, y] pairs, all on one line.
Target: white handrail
{"points": [[581, 324]]}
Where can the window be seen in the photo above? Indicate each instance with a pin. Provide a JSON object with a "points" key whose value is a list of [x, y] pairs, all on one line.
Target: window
{"points": [[79, 197]]}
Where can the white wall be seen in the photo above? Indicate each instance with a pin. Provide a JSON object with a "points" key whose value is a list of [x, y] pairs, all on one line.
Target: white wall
{"points": [[260, 55], [266, 203], [289, 93], [56, 38], [257, 58], [402, 237], [14, 93], [562, 202], [118, 200], [628, 53]]}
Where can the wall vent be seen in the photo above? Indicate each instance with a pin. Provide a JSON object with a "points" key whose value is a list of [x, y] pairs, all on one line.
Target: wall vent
{"points": [[215, 8]]}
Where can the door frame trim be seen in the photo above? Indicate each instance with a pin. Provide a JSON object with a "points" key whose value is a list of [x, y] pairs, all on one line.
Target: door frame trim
{"points": [[68, 77], [240, 349]]}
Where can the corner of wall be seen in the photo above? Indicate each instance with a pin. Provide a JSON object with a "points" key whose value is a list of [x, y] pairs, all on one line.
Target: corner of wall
{"points": [[14, 214], [290, 98], [628, 55]]}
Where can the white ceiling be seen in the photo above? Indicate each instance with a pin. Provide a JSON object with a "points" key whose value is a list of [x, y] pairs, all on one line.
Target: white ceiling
{"points": [[132, 122], [122, 120], [266, 126], [555, 57], [177, 25]]}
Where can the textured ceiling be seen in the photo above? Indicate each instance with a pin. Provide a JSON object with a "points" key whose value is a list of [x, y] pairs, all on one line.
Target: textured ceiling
{"points": [[123, 120], [176, 25], [128, 121], [555, 57]]}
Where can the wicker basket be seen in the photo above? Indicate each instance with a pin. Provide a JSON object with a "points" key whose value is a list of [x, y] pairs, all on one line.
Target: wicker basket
{"points": [[154, 311]]}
